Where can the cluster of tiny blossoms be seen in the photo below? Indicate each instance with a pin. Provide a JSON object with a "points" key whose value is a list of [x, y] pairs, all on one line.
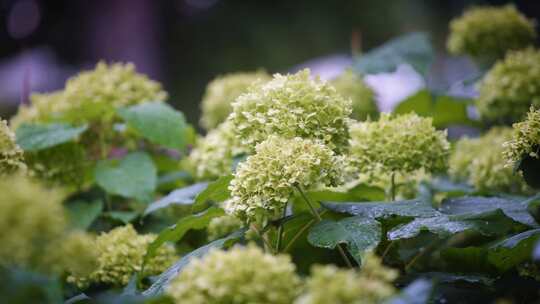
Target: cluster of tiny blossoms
{"points": [[241, 275], [93, 96], [222, 226], [213, 154], [329, 284], [510, 87], [404, 144], [351, 86], [489, 32], [220, 94], [74, 254], [525, 140], [264, 182], [32, 217], [11, 155], [120, 254], [292, 106], [480, 162]]}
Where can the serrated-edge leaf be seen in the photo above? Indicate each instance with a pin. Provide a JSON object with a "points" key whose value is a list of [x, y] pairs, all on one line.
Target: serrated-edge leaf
{"points": [[182, 196], [164, 279], [360, 234], [177, 231], [36, 137]]}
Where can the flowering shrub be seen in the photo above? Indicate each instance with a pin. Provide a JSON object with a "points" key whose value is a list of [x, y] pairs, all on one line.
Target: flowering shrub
{"points": [[510, 87], [299, 193], [489, 32]]}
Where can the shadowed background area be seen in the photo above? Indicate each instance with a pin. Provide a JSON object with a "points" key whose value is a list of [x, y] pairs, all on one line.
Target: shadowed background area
{"points": [[185, 43]]}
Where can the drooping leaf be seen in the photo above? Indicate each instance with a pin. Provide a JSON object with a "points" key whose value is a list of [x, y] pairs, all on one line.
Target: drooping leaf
{"points": [[418, 292], [217, 191], [445, 277], [82, 214], [490, 223], [157, 122], [164, 279], [78, 298], [375, 210], [177, 231], [414, 49], [182, 196], [536, 252], [360, 234], [513, 208], [134, 176], [35, 137]]}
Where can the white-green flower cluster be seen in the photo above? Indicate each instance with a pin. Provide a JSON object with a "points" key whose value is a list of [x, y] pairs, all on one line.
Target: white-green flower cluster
{"points": [[489, 32], [292, 106], [351, 86], [401, 144], [264, 182], [120, 254], [74, 254], [329, 284], [481, 163], [525, 139], [31, 218], [222, 92], [508, 90], [93, 96], [213, 155], [11, 155], [242, 275], [223, 226]]}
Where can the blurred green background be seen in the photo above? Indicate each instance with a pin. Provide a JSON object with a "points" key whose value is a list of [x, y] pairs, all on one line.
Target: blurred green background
{"points": [[185, 43]]}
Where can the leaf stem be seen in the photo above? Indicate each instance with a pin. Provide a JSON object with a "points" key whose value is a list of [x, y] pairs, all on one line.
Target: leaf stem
{"points": [[263, 238], [280, 230], [393, 186], [319, 218]]}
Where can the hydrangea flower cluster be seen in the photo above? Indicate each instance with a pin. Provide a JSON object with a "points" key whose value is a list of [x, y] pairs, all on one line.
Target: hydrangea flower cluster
{"points": [[510, 87], [74, 254], [264, 182], [351, 86], [401, 144], [489, 32], [223, 226], [241, 275], [221, 93], [525, 140], [32, 217], [11, 155], [329, 284], [93, 96], [480, 162], [120, 254], [292, 106], [213, 155]]}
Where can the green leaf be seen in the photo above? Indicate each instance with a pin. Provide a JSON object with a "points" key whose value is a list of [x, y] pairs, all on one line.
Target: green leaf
{"points": [[82, 214], [157, 122], [360, 234], [35, 137], [375, 210], [124, 217], [134, 177], [418, 292], [182, 196], [414, 49], [514, 250], [358, 193], [217, 191], [163, 280], [474, 205], [22, 286], [176, 232], [490, 223], [445, 110]]}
